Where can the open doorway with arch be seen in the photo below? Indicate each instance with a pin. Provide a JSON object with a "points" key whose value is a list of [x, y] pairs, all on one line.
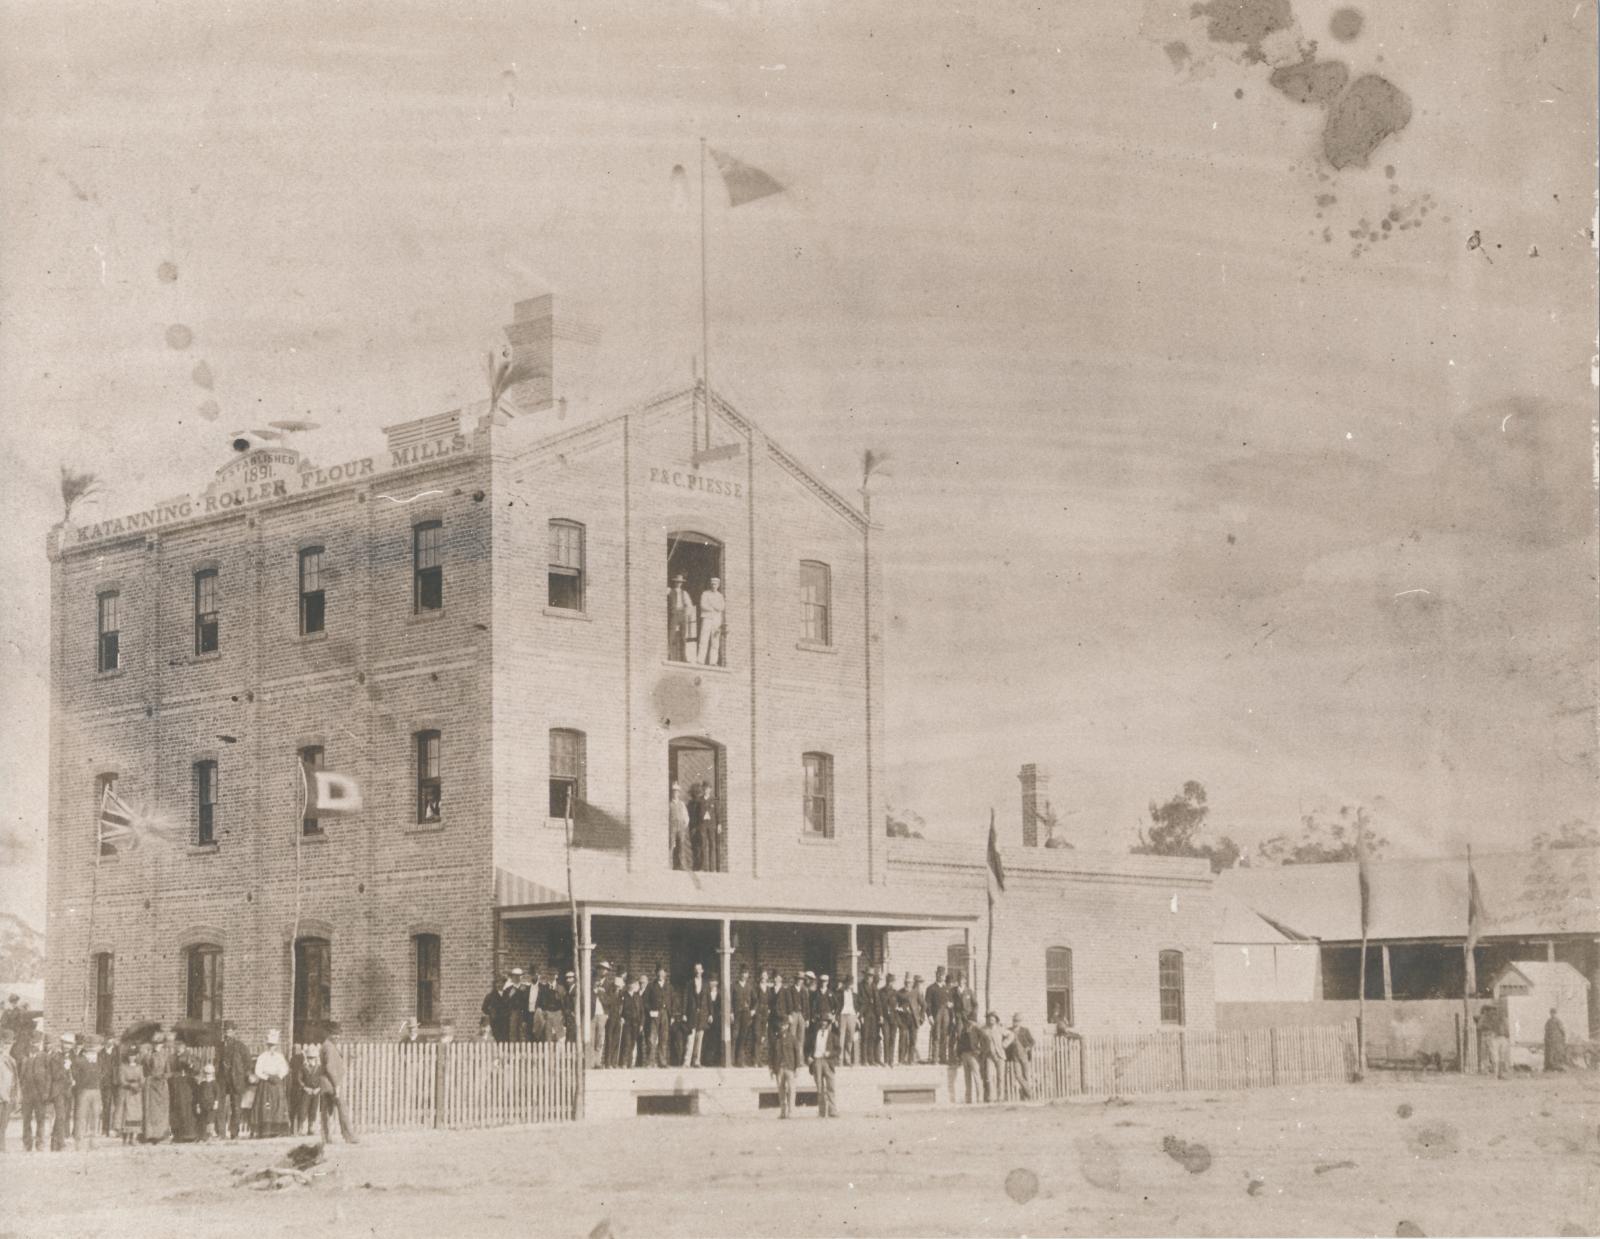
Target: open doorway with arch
{"points": [[695, 585], [697, 785]]}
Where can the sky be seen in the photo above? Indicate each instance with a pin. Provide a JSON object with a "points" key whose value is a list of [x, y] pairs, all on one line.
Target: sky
{"points": [[1222, 447]]}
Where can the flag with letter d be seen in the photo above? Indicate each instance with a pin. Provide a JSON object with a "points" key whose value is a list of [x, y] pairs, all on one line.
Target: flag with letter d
{"points": [[334, 793]]}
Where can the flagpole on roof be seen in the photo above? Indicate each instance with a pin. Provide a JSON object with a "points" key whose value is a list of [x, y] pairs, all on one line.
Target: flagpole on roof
{"points": [[1364, 890], [90, 973], [705, 312], [988, 954]]}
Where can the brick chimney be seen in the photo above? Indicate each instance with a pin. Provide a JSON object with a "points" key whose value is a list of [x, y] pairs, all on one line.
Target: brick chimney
{"points": [[550, 353], [1035, 796]]}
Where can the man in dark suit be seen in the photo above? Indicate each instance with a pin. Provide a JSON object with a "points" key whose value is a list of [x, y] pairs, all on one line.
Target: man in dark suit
{"points": [[633, 1025], [934, 1002], [824, 1054], [774, 1019], [611, 1004], [744, 1018], [696, 1014], [234, 1063], [867, 1007], [823, 1002], [658, 1017], [508, 1016]]}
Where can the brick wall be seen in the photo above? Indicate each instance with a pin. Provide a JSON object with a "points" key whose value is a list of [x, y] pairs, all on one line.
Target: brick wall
{"points": [[1115, 913], [359, 690]]}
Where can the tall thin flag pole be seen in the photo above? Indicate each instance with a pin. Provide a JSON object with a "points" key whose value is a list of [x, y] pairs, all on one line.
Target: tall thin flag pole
{"points": [[1364, 892], [705, 312], [988, 956], [1469, 967], [294, 936], [91, 973], [579, 1003]]}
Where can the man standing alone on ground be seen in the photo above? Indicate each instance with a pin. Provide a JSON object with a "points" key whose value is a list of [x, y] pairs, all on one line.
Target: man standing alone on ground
{"points": [[824, 1054], [335, 1076], [1019, 1055], [1492, 1031], [788, 1057], [8, 1083], [233, 1079]]}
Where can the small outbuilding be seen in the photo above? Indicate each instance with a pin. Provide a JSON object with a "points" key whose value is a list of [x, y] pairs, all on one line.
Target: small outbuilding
{"points": [[1527, 992]]}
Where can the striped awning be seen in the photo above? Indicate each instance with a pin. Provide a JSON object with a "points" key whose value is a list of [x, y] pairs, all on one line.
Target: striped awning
{"points": [[512, 890]]}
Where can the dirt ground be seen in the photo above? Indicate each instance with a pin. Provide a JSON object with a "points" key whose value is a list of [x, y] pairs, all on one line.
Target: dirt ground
{"points": [[1451, 1156]]}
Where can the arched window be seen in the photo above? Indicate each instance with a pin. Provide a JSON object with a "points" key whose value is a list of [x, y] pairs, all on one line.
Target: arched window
{"points": [[818, 794], [696, 591], [565, 588], [816, 602], [1058, 985], [566, 770], [427, 953], [1171, 974], [202, 968], [104, 983], [313, 987]]}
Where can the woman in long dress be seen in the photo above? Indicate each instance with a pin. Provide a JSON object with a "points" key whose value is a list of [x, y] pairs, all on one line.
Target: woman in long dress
{"points": [[157, 1091], [130, 1098], [271, 1117], [184, 1128]]}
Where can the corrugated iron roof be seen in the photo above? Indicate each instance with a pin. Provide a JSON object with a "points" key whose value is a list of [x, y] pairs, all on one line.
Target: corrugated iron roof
{"points": [[1524, 893]]}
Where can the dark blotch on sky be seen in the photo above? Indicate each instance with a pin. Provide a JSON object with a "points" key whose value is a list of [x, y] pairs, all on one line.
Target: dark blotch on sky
{"points": [[167, 272], [1177, 52], [1361, 118], [179, 336], [1311, 81], [1244, 21], [1345, 25]]}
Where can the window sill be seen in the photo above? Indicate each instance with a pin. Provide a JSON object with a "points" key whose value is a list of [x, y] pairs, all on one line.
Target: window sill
{"points": [[423, 828], [112, 674], [816, 647], [211, 656], [204, 849], [320, 635], [317, 837], [568, 613], [425, 617], [812, 839], [678, 666]]}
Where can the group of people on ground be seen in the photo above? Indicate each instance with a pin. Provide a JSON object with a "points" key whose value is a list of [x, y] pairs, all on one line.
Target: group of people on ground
{"points": [[646, 1021], [152, 1089], [1494, 1042]]}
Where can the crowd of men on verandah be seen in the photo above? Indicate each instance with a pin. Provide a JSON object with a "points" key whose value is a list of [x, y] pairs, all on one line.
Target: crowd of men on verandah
{"points": [[188, 1083], [645, 1021]]}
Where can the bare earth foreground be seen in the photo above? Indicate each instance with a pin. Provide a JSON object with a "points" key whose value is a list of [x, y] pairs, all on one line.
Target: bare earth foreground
{"points": [[1468, 1157]]}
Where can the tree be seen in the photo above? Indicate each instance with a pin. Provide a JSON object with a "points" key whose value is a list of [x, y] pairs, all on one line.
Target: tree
{"points": [[1176, 828], [1576, 833], [1324, 839], [75, 487]]}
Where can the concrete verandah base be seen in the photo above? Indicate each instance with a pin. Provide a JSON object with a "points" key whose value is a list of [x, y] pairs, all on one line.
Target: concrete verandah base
{"points": [[617, 1093]]}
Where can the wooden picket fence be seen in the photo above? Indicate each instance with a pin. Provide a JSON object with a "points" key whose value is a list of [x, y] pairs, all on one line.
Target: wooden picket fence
{"points": [[398, 1087], [1119, 1064]]}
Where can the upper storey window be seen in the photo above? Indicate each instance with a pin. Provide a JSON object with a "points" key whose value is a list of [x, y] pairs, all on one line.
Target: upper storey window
{"points": [[313, 601], [206, 624], [816, 602], [566, 566], [427, 543], [108, 647], [696, 626]]}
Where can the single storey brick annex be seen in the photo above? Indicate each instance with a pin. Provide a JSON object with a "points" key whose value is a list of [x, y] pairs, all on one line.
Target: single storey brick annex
{"points": [[501, 615]]}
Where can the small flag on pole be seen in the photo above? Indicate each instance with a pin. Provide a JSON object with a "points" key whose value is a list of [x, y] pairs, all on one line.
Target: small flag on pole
{"points": [[997, 868], [745, 182], [1363, 878], [334, 794], [1477, 914]]}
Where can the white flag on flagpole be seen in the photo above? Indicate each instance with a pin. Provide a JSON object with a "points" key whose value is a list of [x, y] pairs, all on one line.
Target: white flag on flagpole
{"points": [[334, 793]]}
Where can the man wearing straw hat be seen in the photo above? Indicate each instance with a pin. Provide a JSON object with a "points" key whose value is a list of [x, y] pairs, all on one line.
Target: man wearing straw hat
{"points": [[334, 1077]]}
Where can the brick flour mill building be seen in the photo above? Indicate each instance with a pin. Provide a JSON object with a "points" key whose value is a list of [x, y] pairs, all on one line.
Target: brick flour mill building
{"points": [[483, 625]]}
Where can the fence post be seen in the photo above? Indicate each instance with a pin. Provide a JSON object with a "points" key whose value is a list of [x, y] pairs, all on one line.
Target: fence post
{"points": [[1183, 1064], [438, 1082]]}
